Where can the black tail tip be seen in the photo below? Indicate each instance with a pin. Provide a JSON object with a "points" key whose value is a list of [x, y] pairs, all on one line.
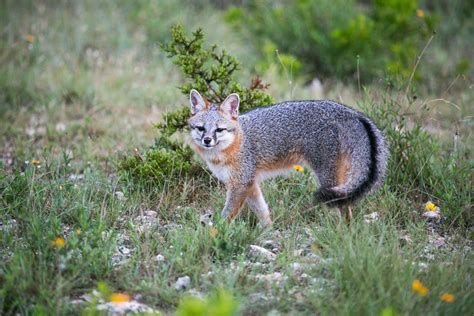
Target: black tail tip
{"points": [[331, 198]]}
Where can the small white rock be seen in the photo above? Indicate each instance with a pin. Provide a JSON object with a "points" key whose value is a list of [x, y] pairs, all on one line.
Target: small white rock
{"points": [[297, 268], [8, 225], [432, 214], [60, 127], [298, 252], [124, 308], [120, 196], [205, 219], [261, 253], [159, 258], [182, 283], [150, 213], [372, 217], [74, 177], [124, 250]]}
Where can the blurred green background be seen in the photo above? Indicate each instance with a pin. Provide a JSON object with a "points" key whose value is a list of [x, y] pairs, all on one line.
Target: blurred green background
{"points": [[83, 83]]}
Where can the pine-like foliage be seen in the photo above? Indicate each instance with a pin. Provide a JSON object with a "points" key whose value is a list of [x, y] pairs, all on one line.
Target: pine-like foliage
{"points": [[211, 71]]}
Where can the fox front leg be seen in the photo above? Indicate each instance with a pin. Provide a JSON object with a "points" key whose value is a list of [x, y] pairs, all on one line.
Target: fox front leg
{"points": [[235, 198]]}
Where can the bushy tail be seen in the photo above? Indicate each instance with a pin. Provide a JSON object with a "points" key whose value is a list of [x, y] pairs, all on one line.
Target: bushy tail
{"points": [[374, 178]]}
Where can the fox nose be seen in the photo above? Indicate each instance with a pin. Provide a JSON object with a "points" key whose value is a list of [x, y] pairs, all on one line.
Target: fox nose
{"points": [[207, 140]]}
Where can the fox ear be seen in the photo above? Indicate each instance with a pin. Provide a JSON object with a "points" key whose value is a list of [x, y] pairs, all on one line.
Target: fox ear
{"points": [[197, 102], [230, 106]]}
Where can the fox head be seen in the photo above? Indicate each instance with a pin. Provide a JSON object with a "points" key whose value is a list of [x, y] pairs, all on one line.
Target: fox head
{"points": [[213, 126]]}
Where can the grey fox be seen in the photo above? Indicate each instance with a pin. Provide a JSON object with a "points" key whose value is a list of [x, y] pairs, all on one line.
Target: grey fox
{"points": [[344, 148]]}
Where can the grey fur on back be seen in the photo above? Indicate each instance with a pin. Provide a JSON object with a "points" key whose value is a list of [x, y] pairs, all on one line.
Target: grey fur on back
{"points": [[319, 131]]}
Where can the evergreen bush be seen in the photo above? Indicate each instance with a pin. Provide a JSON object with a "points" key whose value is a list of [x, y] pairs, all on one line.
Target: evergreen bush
{"points": [[211, 71]]}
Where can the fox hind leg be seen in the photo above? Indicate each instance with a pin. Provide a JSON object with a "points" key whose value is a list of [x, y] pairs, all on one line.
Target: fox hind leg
{"points": [[346, 211], [256, 202]]}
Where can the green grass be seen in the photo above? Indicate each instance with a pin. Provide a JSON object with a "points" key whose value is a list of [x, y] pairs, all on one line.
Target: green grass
{"points": [[87, 91]]}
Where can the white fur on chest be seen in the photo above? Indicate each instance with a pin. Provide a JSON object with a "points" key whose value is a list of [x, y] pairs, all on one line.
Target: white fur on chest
{"points": [[221, 172]]}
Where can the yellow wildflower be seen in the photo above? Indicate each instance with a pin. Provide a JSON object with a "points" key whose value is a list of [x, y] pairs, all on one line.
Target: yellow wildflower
{"points": [[430, 206], [420, 13], [419, 288], [298, 168], [58, 242], [213, 232], [119, 298], [447, 297], [35, 162], [29, 38]]}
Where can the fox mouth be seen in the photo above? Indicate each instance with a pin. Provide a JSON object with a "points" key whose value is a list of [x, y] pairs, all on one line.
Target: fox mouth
{"points": [[209, 146]]}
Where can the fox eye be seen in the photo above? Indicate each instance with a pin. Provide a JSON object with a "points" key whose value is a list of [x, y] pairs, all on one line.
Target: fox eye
{"points": [[200, 128], [220, 130]]}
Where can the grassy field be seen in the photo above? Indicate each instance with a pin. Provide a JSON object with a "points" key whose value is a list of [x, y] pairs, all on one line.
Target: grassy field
{"points": [[81, 85]]}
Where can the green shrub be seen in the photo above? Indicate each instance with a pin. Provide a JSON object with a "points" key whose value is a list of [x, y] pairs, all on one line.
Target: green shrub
{"points": [[210, 71], [165, 160], [339, 38], [419, 168]]}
